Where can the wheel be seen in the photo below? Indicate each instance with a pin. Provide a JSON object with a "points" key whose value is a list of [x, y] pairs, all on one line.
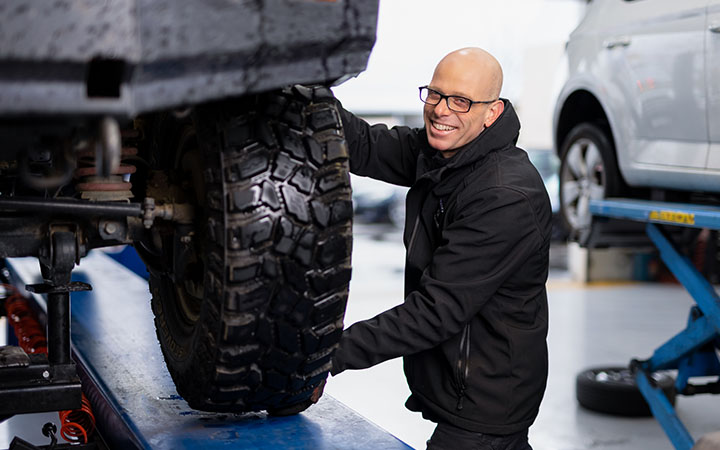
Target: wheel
{"points": [[249, 307], [612, 390], [588, 170]]}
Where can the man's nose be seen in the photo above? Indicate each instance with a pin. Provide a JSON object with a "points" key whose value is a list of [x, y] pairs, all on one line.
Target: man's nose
{"points": [[441, 109]]}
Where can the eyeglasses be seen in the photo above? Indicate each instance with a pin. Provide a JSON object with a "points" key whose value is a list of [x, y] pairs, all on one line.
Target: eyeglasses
{"points": [[454, 103]]}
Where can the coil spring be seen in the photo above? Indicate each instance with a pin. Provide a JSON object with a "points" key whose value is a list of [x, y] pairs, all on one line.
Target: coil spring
{"points": [[78, 424], [29, 333], [112, 188], [75, 425]]}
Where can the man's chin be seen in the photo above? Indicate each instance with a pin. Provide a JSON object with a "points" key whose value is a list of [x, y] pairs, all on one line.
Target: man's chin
{"points": [[441, 145]]}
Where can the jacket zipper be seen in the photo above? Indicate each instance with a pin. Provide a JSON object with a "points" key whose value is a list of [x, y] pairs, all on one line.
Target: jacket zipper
{"points": [[463, 366], [413, 235], [439, 214]]}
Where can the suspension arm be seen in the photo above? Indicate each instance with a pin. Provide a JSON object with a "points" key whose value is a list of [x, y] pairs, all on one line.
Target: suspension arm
{"points": [[70, 207]]}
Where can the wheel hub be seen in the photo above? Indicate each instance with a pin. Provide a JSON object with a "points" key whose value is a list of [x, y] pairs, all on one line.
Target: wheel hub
{"points": [[584, 187]]}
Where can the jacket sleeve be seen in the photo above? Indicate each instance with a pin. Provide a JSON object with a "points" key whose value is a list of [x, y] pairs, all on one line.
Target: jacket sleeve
{"points": [[490, 240], [388, 155]]}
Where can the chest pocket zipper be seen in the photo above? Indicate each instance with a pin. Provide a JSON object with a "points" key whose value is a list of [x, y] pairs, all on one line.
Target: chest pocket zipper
{"points": [[439, 215], [463, 367]]}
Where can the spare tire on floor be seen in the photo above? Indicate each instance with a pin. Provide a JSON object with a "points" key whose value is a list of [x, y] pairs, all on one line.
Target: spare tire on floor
{"points": [[612, 390], [250, 306]]}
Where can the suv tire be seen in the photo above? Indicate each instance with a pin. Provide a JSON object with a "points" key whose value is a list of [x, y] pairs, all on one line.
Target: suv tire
{"points": [[588, 170], [251, 307]]}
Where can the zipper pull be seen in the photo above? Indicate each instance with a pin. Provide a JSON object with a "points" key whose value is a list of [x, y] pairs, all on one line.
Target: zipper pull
{"points": [[438, 216], [460, 399]]}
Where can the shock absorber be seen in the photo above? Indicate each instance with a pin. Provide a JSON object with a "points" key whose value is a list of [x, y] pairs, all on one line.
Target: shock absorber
{"points": [[75, 425], [116, 187], [103, 173]]}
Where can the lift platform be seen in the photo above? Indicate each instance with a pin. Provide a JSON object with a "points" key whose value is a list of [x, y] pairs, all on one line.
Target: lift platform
{"points": [[692, 352], [133, 397]]}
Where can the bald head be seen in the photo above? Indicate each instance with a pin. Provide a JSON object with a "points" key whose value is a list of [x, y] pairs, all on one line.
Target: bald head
{"points": [[471, 73], [479, 70]]}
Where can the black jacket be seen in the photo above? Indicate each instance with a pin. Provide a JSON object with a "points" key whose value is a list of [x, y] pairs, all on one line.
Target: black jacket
{"points": [[473, 326]]}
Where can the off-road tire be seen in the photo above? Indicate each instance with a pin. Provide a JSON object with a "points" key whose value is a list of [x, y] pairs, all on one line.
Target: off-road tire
{"points": [[612, 390], [273, 241]]}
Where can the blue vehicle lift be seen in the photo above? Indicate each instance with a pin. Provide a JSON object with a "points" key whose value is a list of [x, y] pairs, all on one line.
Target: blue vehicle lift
{"points": [[133, 397], [692, 351]]}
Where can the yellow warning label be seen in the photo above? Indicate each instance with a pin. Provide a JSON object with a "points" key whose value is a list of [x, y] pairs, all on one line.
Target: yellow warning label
{"points": [[673, 217]]}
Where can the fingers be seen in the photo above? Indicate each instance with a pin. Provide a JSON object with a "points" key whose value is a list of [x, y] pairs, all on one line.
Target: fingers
{"points": [[318, 392]]}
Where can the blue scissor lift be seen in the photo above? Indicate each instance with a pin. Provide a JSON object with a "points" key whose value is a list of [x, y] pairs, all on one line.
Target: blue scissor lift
{"points": [[133, 397], [692, 351]]}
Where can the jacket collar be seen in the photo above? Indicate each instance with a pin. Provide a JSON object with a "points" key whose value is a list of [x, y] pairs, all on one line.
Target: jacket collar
{"points": [[432, 166]]}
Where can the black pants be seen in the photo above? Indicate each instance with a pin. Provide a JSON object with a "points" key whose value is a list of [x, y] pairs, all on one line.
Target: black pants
{"points": [[448, 437]]}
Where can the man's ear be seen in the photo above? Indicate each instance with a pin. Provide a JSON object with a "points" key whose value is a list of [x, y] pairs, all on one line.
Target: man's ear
{"points": [[494, 112]]}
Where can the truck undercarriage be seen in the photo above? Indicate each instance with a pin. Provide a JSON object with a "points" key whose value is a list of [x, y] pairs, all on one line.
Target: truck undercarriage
{"points": [[172, 127]]}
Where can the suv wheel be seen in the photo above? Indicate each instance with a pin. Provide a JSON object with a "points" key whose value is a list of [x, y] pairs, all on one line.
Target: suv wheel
{"points": [[588, 170], [250, 306]]}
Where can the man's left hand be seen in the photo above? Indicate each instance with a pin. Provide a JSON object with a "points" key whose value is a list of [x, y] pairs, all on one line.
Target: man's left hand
{"points": [[318, 392]]}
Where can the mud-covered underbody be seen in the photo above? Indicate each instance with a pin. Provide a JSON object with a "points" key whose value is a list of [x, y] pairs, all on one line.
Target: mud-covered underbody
{"points": [[130, 57]]}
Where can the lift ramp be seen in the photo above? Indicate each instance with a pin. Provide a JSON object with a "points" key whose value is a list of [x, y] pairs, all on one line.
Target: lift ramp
{"points": [[134, 399], [679, 214], [693, 351]]}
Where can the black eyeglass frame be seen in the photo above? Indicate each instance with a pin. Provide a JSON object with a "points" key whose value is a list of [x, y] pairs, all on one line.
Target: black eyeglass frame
{"points": [[447, 99]]}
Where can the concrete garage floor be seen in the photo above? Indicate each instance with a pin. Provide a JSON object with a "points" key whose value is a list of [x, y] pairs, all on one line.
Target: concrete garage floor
{"points": [[590, 325]]}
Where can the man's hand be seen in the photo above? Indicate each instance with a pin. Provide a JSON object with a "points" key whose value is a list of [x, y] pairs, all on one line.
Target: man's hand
{"points": [[300, 407], [318, 392]]}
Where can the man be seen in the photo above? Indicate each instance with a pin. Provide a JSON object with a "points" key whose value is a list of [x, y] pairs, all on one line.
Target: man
{"points": [[473, 326]]}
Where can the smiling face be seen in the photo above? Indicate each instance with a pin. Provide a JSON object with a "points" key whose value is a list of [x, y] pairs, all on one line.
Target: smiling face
{"points": [[470, 73]]}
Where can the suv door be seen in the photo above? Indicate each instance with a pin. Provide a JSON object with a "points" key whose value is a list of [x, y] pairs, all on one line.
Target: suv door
{"points": [[656, 56], [712, 62]]}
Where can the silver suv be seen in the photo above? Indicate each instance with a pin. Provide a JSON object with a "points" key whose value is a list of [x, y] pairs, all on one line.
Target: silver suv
{"points": [[636, 111]]}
